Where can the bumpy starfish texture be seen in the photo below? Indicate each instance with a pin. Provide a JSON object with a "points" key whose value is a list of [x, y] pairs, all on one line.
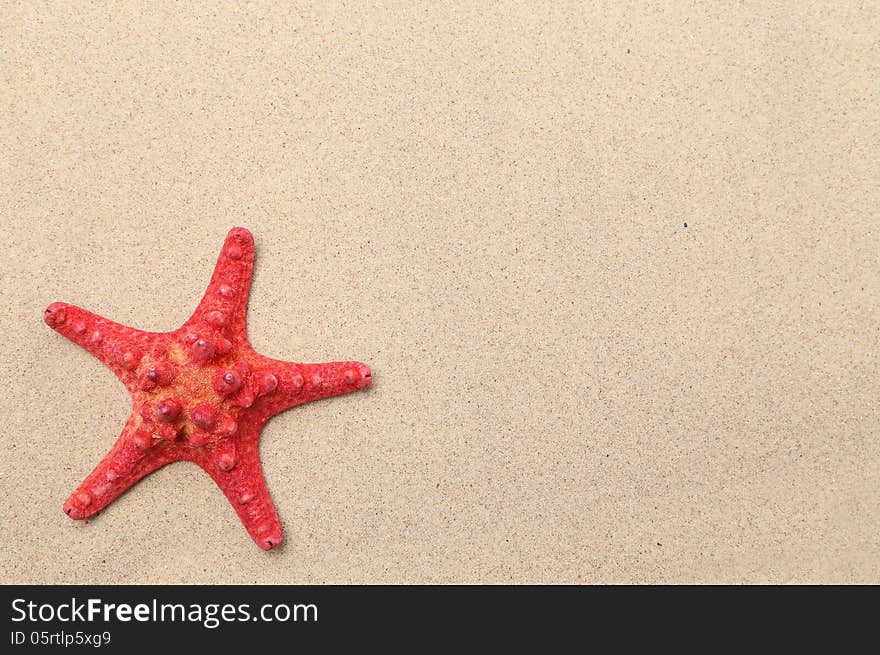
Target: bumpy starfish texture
{"points": [[200, 393]]}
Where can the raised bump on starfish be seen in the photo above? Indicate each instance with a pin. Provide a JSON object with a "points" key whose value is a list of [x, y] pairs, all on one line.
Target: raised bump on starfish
{"points": [[199, 393]]}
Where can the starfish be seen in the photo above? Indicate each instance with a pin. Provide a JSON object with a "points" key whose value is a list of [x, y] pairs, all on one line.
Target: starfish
{"points": [[200, 393]]}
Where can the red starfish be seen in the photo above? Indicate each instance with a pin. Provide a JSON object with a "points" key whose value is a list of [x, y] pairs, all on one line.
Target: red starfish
{"points": [[200, 393]]}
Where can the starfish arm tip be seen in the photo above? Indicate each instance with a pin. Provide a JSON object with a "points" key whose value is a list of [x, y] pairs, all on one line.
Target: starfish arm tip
{"points": [[76, 509], [366, 375], [334, 378], [241, 234], [271, 540], [55, 314]]}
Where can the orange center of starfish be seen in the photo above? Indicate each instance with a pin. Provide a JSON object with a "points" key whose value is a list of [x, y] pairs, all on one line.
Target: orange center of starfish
{"points": [[199, 402]]}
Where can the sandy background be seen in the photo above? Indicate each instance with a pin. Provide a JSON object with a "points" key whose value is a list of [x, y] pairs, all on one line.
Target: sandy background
{"points": [[616, 270]]}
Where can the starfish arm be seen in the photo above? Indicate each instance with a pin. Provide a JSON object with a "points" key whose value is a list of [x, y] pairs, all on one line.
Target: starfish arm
{"points": [[222, 312], [303, 383], [131, 458], [235, 467], [118, 346]]}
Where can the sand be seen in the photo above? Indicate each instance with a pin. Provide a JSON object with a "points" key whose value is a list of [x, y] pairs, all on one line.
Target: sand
{"points": [[615, 269]]}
